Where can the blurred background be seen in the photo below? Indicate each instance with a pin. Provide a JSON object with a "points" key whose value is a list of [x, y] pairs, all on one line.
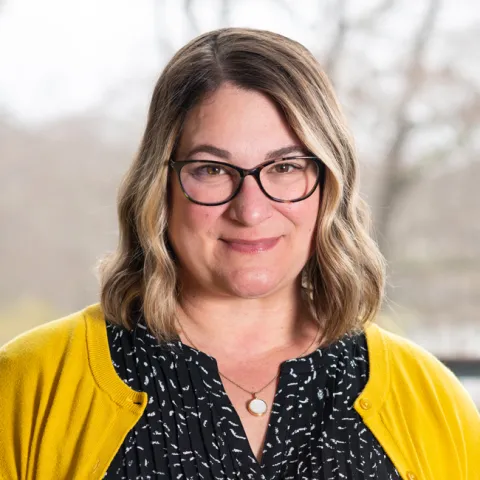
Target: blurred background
{"points": [[75, 82]]}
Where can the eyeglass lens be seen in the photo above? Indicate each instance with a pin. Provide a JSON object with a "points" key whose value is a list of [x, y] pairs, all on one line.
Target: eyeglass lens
{"points": [[215, 183]]}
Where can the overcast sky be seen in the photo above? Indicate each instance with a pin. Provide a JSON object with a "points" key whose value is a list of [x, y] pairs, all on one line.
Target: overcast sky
{"points": [[62, 56]]}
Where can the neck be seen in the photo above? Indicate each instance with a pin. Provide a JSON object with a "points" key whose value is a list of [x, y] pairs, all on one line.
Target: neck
{"points": [[245, 327]]}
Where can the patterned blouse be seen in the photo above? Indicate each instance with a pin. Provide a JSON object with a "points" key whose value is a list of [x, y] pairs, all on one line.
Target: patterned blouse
{"points": [[191, 431]]}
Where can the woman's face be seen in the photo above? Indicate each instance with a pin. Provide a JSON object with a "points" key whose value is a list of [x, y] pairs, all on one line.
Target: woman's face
{"points": [[214, 244]]}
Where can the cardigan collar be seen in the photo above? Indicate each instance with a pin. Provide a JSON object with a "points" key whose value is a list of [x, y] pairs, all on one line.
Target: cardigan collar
{"points": [[367, 404]]}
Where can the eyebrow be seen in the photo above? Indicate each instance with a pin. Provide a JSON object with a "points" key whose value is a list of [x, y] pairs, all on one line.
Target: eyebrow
{"points": [[225, 154]]}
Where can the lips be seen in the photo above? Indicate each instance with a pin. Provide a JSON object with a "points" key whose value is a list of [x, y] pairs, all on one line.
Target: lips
{"points": [[251, 246]]}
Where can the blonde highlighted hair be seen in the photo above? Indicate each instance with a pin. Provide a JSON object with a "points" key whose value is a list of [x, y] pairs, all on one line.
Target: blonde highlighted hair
{"points": [[344, 279]]}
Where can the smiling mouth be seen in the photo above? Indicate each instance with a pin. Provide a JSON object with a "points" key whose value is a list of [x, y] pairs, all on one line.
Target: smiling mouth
{"points": [[251, 246]]}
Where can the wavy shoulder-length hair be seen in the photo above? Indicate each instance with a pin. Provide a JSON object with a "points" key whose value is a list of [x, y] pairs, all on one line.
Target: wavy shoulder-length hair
{"points": [[343, 281]]}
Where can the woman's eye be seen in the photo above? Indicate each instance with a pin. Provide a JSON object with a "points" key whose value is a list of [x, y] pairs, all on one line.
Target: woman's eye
{"points": [[284, 168], [209, 170]]}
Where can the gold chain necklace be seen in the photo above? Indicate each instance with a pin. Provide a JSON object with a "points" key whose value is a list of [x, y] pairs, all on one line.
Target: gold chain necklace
{"points": [[256, 406]]}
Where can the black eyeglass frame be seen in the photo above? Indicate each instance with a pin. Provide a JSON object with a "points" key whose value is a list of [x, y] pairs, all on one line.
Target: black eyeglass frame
{"points": [[177, 165]]}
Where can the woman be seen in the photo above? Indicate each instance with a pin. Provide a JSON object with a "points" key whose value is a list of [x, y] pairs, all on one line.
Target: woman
{"points": [[234, 338]]}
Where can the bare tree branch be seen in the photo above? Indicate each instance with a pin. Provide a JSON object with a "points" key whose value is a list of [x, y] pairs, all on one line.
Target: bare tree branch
{"points": [[375, 14], [192, 19], [162, 41], [338, 40], [344, 27], [418, 172], [393, 179]]}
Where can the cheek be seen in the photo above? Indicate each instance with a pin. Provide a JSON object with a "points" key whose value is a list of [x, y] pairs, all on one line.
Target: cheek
{"points": [[189, 221], [303, 214]]}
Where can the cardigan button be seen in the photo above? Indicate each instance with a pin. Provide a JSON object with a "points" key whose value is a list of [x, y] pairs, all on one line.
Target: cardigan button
{"points": [[411, 476], [366, 405]]}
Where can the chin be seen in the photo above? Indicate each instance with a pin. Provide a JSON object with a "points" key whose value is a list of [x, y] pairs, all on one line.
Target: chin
{"points": [[252, 283]]}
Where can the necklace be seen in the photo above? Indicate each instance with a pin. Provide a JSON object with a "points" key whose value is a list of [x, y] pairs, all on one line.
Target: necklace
{"points": [[255, 406]]}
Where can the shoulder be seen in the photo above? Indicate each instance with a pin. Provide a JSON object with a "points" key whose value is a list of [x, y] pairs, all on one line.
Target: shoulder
{"points": [[413, 384], [46, 345], [411, 365], [57, 375]]}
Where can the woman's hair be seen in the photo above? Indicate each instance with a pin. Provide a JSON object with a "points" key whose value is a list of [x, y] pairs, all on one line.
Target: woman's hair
{"points": [[343, 280]]}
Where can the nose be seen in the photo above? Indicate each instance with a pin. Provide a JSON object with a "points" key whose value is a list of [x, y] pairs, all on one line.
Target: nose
{"points": [[251, 206]]}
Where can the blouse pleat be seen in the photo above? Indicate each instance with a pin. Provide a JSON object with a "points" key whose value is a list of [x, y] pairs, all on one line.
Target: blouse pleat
{"points": [[190, 429]]}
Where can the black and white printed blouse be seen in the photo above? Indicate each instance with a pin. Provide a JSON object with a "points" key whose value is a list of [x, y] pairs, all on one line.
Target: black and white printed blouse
{"points": [[191, 431]]}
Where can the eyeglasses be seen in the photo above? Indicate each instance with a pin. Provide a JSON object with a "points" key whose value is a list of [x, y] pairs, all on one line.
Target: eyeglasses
{"points": [[285, 180]]}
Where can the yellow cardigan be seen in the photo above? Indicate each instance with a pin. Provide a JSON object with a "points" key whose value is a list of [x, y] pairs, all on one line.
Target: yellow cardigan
{"points": [[64, 412]]}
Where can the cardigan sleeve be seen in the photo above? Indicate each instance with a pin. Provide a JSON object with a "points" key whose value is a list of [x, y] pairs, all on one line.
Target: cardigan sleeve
{"points": [[431, 414], [30, 367], [57, 418], [46, 390], [15, 407]]}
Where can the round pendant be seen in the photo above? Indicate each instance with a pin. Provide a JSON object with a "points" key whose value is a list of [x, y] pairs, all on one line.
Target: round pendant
{"points": [[257, 407]]}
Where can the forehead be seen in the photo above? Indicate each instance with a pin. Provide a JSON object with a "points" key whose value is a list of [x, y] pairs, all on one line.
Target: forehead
{"points": [[242, 122]]}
